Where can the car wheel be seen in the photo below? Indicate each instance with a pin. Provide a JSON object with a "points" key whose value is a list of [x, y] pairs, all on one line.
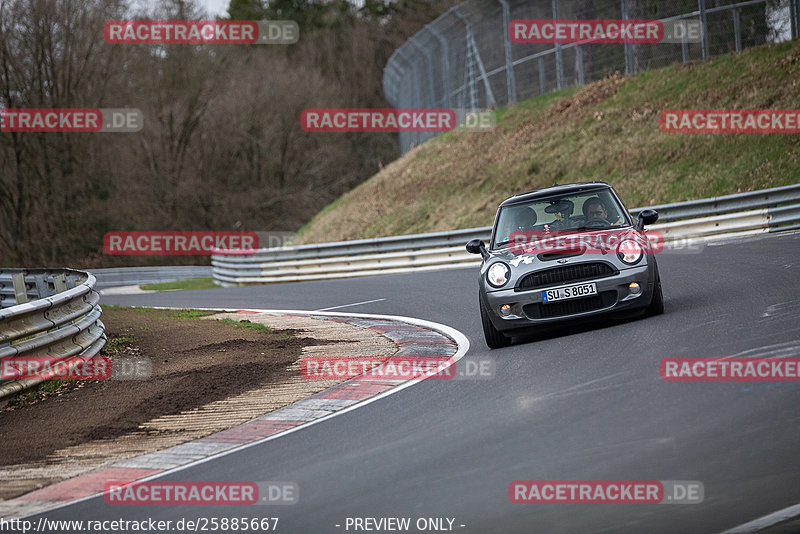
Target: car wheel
{"points": [[656, 306], [494, 338]]}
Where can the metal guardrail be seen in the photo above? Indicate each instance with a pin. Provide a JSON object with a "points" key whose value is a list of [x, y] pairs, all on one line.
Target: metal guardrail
{"points": [[48, 312], [125, 276], [743, 214]]}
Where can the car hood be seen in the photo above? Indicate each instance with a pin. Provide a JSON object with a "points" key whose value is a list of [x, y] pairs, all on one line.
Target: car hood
{"points": [[548, 247]]}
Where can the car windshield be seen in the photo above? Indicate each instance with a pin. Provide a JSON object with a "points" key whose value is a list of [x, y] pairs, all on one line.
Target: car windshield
{"points": [[595, 210]]}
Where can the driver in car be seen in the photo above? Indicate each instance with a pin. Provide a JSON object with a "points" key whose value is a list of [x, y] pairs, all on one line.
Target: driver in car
{"points": [[595, 210]]}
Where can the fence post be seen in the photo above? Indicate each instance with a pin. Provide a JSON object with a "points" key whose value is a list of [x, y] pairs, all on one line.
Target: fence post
{"points": [[737, 28], [490, 101], [417, 95], [511, 82], [559, 58], [432, 93], [404, 75], [579, 63], [445, 64], [542, 84], [396, 77], [628, 47], [413, 78], [794, 17], [469, 76], [684, 43], [389, 85], [704, 23]]}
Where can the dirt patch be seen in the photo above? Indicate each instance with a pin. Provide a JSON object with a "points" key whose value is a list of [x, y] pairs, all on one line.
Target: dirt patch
{"points": [[590, 95], [194, 363], [208, 375]]}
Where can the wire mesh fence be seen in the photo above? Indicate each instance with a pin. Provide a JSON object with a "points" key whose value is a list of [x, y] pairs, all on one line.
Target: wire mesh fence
{"points": [[466, 60]]}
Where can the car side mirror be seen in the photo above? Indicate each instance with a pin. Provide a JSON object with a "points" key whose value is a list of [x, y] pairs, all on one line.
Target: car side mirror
{"points": [[477, 246], [647, 217]]}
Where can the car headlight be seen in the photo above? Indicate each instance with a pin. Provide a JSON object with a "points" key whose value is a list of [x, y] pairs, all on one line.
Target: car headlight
{"points": [[630, 252], [498, 274]]}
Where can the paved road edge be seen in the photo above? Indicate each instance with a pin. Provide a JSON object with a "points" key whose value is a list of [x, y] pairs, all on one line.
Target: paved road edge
{"points": [[410, 334]]}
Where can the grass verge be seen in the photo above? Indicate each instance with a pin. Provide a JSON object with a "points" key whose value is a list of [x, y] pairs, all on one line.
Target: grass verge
{"points": [[191, 283], [608, 130]]}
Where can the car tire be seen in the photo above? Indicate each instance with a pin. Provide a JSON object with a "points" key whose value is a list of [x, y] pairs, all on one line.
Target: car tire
{"points": [[656, 306], [494, 338]]}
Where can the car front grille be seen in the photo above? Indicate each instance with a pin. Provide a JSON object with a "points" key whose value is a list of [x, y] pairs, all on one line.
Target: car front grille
{"points": [[569, 273], [551, 256], [541, 310]]}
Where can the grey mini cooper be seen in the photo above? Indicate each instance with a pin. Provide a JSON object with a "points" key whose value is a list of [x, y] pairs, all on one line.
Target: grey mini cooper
{"points": [[567, 252]]}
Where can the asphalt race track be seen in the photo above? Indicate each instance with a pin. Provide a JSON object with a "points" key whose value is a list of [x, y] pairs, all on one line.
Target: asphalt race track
{"points": [[586, 404]]}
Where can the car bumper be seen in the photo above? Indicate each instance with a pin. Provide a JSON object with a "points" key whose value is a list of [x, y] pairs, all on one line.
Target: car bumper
{"points": [[613, 295]]}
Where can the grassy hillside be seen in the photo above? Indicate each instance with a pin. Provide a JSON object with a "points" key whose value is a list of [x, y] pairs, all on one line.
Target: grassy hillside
{"points": [[608, 130]]}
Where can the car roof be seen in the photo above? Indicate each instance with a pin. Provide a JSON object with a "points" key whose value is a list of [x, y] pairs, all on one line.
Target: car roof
{"points": [[556, 190]]}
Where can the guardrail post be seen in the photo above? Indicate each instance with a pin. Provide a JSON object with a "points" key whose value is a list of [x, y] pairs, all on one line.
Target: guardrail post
{"points": [[20, 291], [559, 58], [60, 283], [511, 81], [701, 4], [42, 289], [737, 28]]}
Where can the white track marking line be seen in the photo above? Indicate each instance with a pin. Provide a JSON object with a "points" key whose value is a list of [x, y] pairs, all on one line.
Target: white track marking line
{"points": [[460, 339], [348, 305], [770, 520]]}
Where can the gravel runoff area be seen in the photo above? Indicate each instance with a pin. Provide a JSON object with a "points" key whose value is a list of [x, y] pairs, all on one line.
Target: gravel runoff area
{"points": [[208, 375]]}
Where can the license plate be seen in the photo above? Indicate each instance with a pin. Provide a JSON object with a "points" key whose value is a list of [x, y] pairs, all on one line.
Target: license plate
{"points": [[569, 292]]}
